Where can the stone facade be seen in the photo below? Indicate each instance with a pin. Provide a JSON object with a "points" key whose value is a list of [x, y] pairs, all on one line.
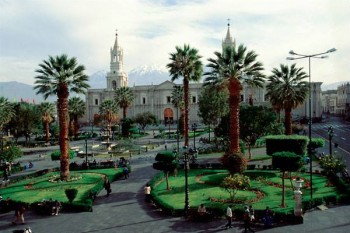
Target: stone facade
{"points": [[157, 98]]}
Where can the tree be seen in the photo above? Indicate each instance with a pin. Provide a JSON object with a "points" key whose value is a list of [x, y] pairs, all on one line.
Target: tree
{"points": [[47, 111], [10, 153], [144, 119], [166, 162], [255, 122], [286, 161], [6, 112], [76, 109], [209, 97], [59, 76], [287, 89], [185, 63], [26, 120], [109, 112], [230, 69], [177, 99], [124, 97]]}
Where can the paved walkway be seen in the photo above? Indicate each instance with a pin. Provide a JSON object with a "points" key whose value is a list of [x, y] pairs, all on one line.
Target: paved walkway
{"points": [[125, 211]]}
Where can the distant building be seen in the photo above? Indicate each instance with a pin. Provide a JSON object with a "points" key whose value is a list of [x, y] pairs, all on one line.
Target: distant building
{"points": [[329, 101], [343, 93], [155, 98]]}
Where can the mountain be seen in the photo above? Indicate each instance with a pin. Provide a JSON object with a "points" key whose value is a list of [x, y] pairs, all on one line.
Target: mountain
{"points": [[16, 91], [142, 75], [148, 75], [98, 80], [332, 86]]}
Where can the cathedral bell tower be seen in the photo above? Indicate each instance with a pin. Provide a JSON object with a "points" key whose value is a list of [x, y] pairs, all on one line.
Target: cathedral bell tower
{"points": [[228, 41], [116, 77]]}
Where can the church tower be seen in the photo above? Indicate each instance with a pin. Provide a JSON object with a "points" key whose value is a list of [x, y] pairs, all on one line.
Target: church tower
{"points": [[116, 77], [228, 41]]}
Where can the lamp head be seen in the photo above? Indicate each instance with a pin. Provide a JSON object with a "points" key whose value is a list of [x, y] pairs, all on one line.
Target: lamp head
{"points": [[290, 58], [331, 50], [292, 52]]}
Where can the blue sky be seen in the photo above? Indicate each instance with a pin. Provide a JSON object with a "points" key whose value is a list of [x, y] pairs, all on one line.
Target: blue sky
{"points": [[148, 31]]}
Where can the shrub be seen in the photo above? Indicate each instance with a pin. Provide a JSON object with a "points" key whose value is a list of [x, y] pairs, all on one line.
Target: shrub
{"points": [[234, 163], [56, 155], [233, 183], [71, 194], [292, 143]]}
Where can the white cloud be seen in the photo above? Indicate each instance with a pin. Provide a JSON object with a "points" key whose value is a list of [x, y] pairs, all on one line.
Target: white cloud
{"points": [[149, 30]]}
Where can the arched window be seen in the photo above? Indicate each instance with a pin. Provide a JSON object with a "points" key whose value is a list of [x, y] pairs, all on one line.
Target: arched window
{"points": [[114, 85]]}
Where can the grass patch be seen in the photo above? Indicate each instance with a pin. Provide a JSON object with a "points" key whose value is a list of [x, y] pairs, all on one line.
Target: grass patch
{"points": [[204, 187], [32, 190]]}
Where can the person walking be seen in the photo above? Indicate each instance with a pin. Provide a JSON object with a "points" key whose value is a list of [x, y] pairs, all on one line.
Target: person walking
{"points": [[107, 186], [19, 214], [246, 219], [229, 217], [147, 190]]}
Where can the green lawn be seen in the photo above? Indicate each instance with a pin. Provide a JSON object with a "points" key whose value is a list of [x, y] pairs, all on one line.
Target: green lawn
{"points": [[204, 188], [35, 189]]}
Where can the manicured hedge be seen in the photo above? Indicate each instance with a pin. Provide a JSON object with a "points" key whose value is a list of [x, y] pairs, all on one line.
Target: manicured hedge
{"points": [[292, 143], [56, 155]]}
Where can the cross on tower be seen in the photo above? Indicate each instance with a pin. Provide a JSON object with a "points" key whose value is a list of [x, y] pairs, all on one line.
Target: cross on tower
{"points": [[228, 22]]}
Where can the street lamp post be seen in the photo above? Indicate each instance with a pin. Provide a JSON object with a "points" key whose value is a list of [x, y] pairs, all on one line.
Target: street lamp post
{"points": [[302, 56], [330, 135], [194, 128], [187, 203], [86, 153]]}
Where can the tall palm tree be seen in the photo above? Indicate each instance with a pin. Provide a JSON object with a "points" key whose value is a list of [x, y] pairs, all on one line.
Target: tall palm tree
{"points": [[230, 69], [177, 99], [109, 112], [7, 111], [59, 76], [185, 63], [287, 89], [47, 111], [76, 109], [124, 97]]}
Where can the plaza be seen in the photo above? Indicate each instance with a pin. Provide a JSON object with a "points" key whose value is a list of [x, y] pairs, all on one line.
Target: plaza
{"points": [[126, 211]]}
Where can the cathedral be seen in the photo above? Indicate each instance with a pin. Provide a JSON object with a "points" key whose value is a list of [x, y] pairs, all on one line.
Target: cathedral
{"points": [[157, 98]]}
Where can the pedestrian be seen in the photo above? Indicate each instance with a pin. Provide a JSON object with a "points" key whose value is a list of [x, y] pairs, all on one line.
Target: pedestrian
{"points": [[252, 214], [246, 219], [147, 190], [6, 174], [126, 172], [229, 217], [166, 146], [19, 214], [107, 186]]}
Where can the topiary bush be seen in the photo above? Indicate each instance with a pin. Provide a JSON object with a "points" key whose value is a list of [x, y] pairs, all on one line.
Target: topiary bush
{"points": [[71, 194], [292, 143]]}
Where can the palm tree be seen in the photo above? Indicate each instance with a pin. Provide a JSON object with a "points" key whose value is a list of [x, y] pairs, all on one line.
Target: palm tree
{"points": [[185, 63], [124, 97], [287, 89], [47, 111], [76, 109], [230, 69], [59, 76], [109, 112], [6, 111], [177, 100]]}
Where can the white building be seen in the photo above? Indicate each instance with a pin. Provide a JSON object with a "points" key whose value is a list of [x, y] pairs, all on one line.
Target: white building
{"points": [[157, 98]]}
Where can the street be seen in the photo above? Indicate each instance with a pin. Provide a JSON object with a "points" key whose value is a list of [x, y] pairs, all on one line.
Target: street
{"points": [[341, 137]]}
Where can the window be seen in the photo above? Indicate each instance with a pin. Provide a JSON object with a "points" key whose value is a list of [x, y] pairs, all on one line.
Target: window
{"points": [[96, 101], [168, 99], [143, 100], [194, 99], [114, 85]]}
